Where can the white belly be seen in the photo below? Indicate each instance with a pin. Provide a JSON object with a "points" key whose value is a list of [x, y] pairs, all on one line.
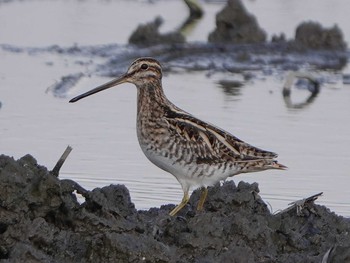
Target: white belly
{"points": [[189, 175]]}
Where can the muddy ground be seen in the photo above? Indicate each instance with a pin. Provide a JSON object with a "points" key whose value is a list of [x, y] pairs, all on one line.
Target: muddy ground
{"points": [[42, 221]]}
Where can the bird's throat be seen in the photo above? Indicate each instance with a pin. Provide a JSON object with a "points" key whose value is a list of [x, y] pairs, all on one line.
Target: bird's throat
{"points": [[150, 99]]}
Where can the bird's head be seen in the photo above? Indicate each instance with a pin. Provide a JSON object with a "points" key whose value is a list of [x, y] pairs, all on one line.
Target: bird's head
{"points": [[141, 72]]}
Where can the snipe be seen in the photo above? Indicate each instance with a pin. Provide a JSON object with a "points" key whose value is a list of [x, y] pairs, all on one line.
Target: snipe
{"points": [[195, 152]]}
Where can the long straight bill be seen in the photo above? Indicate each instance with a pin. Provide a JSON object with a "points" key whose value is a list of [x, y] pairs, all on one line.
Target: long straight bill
{"points": [[107, 85]]}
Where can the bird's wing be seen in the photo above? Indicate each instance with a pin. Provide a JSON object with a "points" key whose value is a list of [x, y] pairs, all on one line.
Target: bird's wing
{"points": [[214, 142]]}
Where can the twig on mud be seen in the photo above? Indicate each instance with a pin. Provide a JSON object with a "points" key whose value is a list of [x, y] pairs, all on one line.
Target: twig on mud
{"points": [[55, 171], [326, 256], [300, 204]]}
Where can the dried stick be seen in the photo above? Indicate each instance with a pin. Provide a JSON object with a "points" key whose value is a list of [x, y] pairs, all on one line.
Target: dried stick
{"points": [[299, 205], [55, 171]]}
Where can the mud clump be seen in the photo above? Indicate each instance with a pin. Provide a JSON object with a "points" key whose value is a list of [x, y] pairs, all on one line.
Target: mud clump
{"points": [[235, 25], [148, 35], [41, 221], [312, 35]]}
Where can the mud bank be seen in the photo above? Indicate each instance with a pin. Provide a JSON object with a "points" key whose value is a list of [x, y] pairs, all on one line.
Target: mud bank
{"points": [[41, 221], [235, 25]]}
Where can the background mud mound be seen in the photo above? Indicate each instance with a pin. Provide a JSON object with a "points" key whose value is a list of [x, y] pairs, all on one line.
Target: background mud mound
{"points": [[148, 35], [311, 35], [41, 220], [235, 25]]}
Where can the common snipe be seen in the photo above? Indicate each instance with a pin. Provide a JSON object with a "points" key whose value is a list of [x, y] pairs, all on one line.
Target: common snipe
{"points": [[195, 152]]}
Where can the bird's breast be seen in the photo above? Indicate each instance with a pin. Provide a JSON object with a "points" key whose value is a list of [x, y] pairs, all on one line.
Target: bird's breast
{"points": [[168, 152]]}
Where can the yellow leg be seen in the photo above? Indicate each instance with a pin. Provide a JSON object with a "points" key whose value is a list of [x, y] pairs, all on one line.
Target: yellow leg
{"points": [[201, 201], [181, 205]]}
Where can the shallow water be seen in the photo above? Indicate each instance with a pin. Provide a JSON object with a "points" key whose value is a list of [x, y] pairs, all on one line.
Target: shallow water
{"points": [[312, 141]]}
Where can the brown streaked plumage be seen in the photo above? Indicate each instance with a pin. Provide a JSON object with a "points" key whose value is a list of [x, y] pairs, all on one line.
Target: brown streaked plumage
{"points": [[195, 152]]}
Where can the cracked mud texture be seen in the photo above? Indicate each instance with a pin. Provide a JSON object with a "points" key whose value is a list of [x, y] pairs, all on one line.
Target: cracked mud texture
{"points": [[41, 221]]}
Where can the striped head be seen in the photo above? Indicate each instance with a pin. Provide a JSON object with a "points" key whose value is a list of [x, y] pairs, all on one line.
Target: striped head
{"points": [[140, 72], [144, 70]]}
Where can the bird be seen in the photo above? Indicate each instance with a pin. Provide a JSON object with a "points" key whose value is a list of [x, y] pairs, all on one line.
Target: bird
{"points": [[197, 153]]}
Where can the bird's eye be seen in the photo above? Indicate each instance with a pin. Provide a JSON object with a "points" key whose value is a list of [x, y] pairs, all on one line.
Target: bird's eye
{"points": [[144, 66]]}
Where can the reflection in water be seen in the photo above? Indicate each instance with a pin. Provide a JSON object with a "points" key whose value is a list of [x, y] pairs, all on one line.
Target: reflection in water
{"points": [[60, 89], [312, 84], [346, 79], [231, 87]]}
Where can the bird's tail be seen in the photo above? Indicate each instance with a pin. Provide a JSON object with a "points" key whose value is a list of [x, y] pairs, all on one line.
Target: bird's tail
{"points": [[276, 165]]}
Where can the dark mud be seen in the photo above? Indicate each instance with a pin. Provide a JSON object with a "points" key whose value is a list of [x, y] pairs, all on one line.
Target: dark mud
{"points": [[312, 35], [42, 221], [236, 26], [149, 35]]}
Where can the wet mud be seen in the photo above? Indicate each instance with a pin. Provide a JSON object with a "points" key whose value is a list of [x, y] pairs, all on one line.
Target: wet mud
{"points": [[42, 221], [312, 35], [148, 34], [235, 25]]}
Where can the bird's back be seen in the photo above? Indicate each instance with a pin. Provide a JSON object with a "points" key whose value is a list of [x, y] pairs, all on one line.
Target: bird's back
{"points": [[188, 147]]}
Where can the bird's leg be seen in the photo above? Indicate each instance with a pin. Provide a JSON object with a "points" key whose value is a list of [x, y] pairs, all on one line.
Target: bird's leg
{"points": [[201, 201], [181, 205]]}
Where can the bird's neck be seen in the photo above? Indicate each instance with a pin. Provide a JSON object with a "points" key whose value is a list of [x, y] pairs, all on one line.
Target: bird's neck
{"points": [[151, 98]]}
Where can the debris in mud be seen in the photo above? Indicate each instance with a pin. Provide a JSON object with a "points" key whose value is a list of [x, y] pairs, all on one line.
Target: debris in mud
{"points": [[312, 35], [56, 170], [235, 25], [41, 221], [337, 254], [148, 35], [301, 205]]}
